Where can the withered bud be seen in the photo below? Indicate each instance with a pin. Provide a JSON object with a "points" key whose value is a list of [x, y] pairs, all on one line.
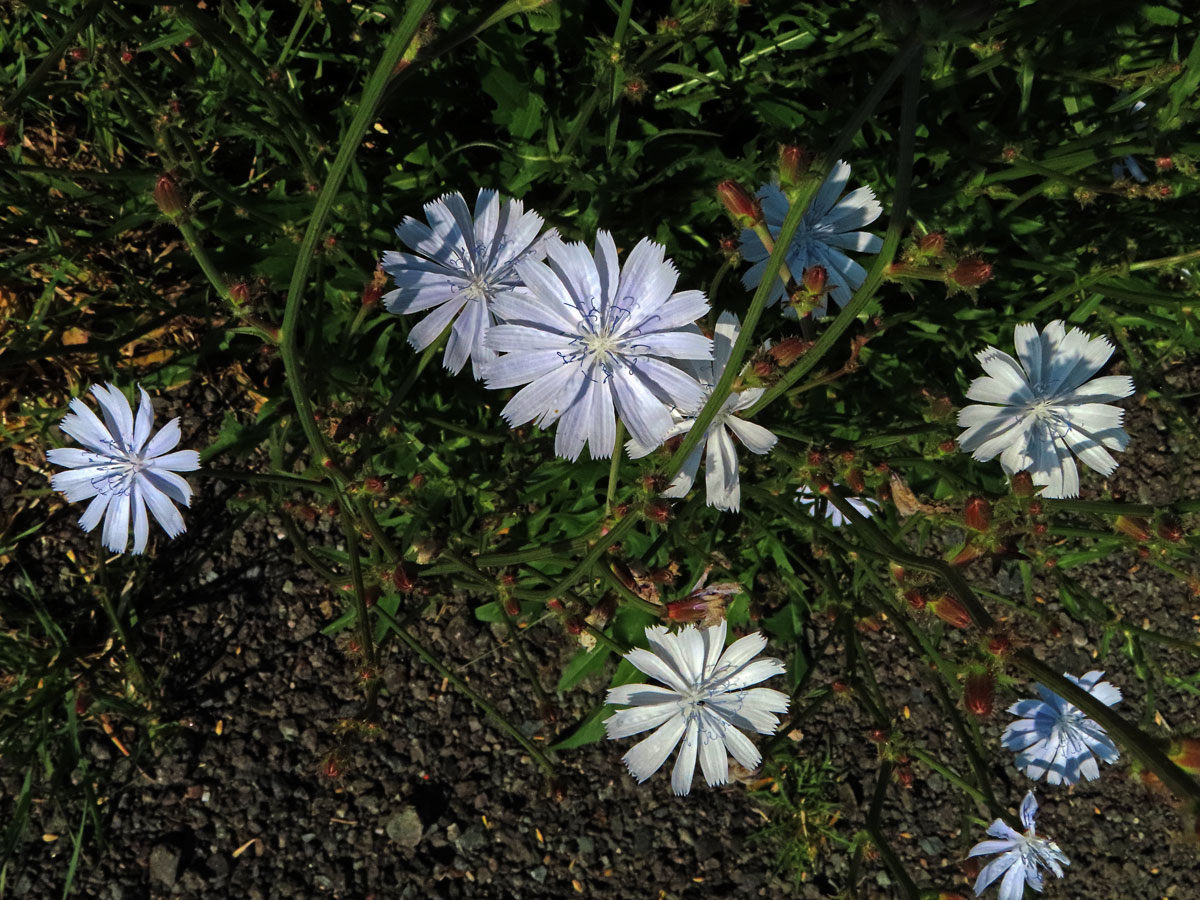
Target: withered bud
{"points": [[950, 611], [166, 195], [789, 350], [744, 209], [658, 511], [970, 272], [979, 693], [1022, 484], [978, 514], [1132, 526]]}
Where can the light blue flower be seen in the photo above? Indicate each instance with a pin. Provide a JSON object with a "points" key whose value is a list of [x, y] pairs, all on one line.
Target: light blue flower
{"points": [[123, 470], [828, 228], [1046, 408], [1128, 166], [706, 702], [592, 337], [723, 487], [461, 264], [1022, 855], [1055, 739], [806, 498]]}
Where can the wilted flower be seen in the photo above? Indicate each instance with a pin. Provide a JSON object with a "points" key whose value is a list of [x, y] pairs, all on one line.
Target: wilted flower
{"points": [[827, 229], [806, 498], [1022, 858], [1055, 739], [707, 700], [461, 263], [1047, 409], [591, 337], [123, 470], [722, 484]]}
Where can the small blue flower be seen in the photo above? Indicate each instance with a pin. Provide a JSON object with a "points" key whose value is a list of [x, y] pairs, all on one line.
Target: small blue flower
{"points": [[1055, 739], [1022, 855], [461, 264], [806, 498], [590, 341], [124, 470], [827, 229]]}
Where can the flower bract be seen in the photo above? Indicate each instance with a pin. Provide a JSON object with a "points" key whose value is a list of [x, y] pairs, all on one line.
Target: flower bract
{"points": [[591, 340], [1055, 739], [1022, 856], [1037, 412], [829, 228], [722, 484], [460, 263], [123, 469], [704, 705]]}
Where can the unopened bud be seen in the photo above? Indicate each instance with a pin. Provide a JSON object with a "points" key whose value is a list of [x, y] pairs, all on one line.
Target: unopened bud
{"points": [[743, 208], [978, 514], [127, 56], [575, 625], [966, 554], [373, 484], [815, 279], [932, 244], [239, 292], [999, 645], [950, 611], [793, 162], [1164, 163], [971, 272], [1170, 529], [166, 195], [1022, 484], [709, 609], [79, 54], [878, 735], [1132, 526], [979, 693], [904, 776], [658, 511], [762, 367], [897, 571], [854, 478], [840, 687], [814, 458], [402, 581], [370, 295], [915, 599], [788, 350]]}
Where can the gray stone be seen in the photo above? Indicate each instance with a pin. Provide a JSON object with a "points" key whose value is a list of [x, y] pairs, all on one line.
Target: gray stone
{"points": [[404, 828], [164, 865]]}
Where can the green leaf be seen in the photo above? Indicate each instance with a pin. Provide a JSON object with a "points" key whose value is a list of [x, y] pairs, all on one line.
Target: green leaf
{"points": [[583, 664]]}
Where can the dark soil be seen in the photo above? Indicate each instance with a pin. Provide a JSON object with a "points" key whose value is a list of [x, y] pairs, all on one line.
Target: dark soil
{"points": [[258, 794]]}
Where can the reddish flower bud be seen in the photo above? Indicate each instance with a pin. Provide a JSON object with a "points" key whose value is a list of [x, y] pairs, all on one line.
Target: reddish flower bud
{"points": [[370, 295], [946, 446], [815, 280], [635, 90], [555, 604], [878, 735], [166, 195], [239, 292], [854, 478], [1035, 508], [191, 41], [127, 56], [373, 484], [1170, 529], [658, 511], [999, 645], [1164, 190], [762, 367], [897, 571], [978, 514], [840, 687], [744, 209], [904, 776], [708, 608], [575, 625], [789, 350], [621, 510], [979, 693], [511, 607], [966, 554], [915, 599], [370, 596], [79, 54], [402, 581], [971, 272], [814, 458], [1185, 753], [793, 162], [333, 766], [416, 481], [847, 456], [950, 611], [307, 513], [4, 136], [654, 484], [1164, 163], [932, 244], [332, 509]]}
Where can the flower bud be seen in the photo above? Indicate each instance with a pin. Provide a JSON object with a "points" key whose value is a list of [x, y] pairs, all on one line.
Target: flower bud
{"points": [[1185, 753], [978, 514], [999, 645], [239, 292], [854, 478], [1164, 163], [79, 54], [950, 611], [897, 571], [878, 735], [815, 279], [762, 367], [370, 295], [511, 607], [1022, 484], [840, 687], [904, 776], [575, 625], [402, 581], [373, 484], [915, 599], [1132, 526], [793, 162], [979, 693], [947, 446], [707, 608], [126, 56], [743, 208], [555, 604], [789, 350], [966, 554], [658, 511], [1170, 529], [932, 244], [970, 272], [166, 195]]}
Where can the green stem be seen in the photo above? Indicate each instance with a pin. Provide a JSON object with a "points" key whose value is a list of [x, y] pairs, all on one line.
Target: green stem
{"points": [[875, 829], [614, 468], [292, 481]]}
